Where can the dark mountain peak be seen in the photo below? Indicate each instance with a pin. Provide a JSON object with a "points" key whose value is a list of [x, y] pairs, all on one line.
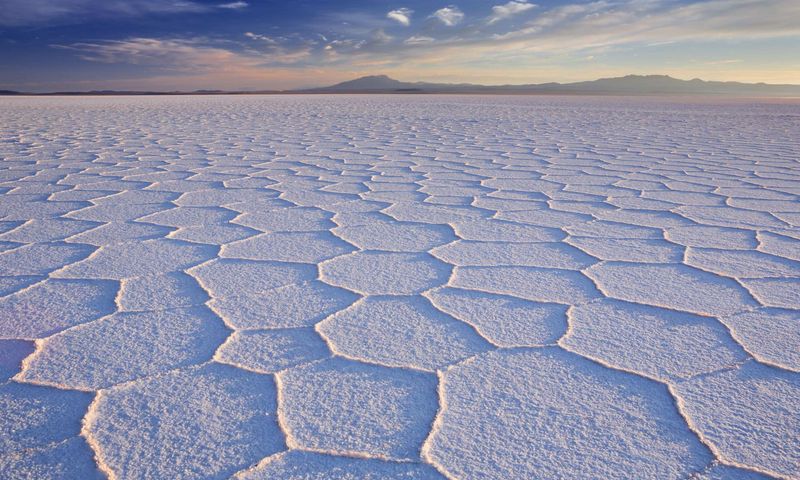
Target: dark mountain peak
{"points": [[377, 78], [371, 82], [646, 77]]}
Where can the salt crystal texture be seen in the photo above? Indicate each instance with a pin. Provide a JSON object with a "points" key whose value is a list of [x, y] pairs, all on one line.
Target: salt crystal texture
{"points": [[399, 287]]}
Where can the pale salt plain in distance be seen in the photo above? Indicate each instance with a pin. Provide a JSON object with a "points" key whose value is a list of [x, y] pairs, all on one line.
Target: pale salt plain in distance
{"points": [[385, 287]]}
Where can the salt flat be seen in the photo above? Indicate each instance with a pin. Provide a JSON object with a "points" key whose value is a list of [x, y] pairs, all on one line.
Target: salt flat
{"points": [[399, 287]]}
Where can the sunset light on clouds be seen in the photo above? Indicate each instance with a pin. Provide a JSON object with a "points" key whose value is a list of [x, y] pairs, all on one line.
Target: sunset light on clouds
{"points": [[153, 44]]}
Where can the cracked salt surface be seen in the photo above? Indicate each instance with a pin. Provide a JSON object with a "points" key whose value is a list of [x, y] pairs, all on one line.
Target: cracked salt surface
{"points": [[380, 287]]}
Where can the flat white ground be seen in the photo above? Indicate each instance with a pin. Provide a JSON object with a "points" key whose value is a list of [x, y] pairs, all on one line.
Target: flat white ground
{"points": [[397, 287]]}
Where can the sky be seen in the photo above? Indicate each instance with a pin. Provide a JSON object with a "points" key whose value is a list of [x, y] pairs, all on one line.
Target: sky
{"points": [[48, 45]]}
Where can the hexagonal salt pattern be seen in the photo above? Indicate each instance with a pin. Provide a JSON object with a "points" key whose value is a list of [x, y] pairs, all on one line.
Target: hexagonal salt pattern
{"points": [[393, 288], [379, 330], [200, 422], [384, 273], [125, 346], [588, 420], [654, 342], [755, 399], [346, 407]]}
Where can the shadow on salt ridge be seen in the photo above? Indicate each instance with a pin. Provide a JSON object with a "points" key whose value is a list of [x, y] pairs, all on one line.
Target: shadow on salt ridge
{"points": [[71, 458], [35, 416], [12, 353]]}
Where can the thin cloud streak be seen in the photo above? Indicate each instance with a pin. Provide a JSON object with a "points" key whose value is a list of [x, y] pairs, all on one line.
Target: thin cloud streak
{"points": [[187, 56], [234, 5], [16, 13]]}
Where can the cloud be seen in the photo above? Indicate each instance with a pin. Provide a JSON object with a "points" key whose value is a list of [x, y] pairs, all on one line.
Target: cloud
{"points": [[188, 55], [449, 16], [171, 54], [606, 23], [502, 12], [418, 40], [261, 38], [378, 37], [15, 13], [401, 16], [724, 62], [234, 5]]}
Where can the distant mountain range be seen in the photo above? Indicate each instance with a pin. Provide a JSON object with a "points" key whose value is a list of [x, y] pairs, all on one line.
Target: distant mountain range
{"points": [[628, 85]]}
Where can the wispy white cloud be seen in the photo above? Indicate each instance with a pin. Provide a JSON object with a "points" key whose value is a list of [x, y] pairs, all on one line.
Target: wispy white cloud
{"points": [[261, 38], [15, 13], [502, 12], [378, 37], [401, 16], [33, 12], [173, 54], [653, 22], [418, 40], [449, 16], [725, 62], [234, 5], [189, 55]]}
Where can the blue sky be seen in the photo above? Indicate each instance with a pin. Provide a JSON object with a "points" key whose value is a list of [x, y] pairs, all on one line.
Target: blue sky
{"points": [[259, 44]]}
